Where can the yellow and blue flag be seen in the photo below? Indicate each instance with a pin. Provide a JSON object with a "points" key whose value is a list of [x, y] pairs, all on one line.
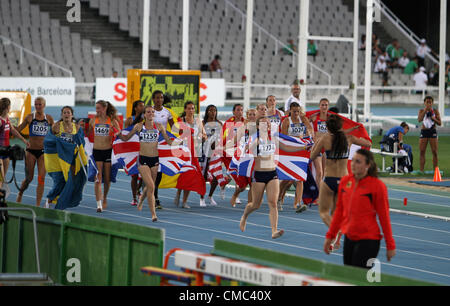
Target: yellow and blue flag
{"points": [[66, 163]]}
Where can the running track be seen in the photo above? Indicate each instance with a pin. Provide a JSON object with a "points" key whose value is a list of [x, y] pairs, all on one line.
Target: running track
{"points": [[423, 245]]}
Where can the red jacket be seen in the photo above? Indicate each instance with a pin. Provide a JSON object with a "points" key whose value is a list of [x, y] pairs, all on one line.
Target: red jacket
{"points": [[357, 208]]}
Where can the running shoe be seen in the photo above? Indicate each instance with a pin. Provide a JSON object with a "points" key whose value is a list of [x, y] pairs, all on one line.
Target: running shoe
{"points": [[158, 204], [47, 205], [212, 202], [301, 208], [99, 208], [185, 206], [238, 201], [222, 193], [134, 203], [202, 203]]}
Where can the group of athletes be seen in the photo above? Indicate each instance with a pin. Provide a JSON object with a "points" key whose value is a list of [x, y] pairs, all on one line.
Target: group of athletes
{"points": [[353, 204]]}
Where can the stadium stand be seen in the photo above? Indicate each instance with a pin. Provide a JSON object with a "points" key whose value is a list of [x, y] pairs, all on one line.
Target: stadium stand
{"points": [[114, 29]]}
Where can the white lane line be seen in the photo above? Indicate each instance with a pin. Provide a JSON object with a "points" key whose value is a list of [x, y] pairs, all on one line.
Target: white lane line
{"points": [[421, 193], [260, 213]]}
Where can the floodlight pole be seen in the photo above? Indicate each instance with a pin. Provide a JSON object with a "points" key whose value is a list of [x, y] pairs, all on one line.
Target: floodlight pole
{"points": [[442, 46], [303, 47], [145, 34], [355, 58], [185, 44], [248, 54], [368, 61]]}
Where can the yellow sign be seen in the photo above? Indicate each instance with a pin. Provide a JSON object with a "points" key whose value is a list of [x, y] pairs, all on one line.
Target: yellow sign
{"points": [[20, 106], [181, 86]]}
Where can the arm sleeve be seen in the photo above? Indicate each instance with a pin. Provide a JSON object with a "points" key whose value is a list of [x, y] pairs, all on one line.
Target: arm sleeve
{"points": [[336, 222], [381, 203]]}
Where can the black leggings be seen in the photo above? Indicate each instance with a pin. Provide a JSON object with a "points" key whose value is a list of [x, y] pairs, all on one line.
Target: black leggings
{"points": [[357, 253], [158, 180]]}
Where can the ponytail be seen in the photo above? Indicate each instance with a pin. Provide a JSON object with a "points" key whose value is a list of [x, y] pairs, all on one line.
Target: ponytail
{"points": [[340, 143], [111, 111]]}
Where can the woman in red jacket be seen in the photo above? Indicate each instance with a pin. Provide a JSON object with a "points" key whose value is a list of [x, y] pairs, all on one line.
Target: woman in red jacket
{"points": [[361, 197]]}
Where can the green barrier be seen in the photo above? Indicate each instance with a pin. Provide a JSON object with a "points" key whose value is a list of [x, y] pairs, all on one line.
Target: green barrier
{"points": [[106, 252], [321, 269]]}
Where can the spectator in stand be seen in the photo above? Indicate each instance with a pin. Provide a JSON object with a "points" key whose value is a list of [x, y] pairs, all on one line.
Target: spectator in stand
{"points": [[403, 61], [420, 80], [215, 64], [295, 97], [290, 48], [115, 74], [447, 74], [395, 54], [411, 67], [312, 49], [362, 43], [390, 48], [376, 50], [381, 67], [433, 75], [422, 51]]}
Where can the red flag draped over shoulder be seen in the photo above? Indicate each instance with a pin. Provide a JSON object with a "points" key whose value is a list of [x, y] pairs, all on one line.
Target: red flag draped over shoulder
{"points": [[191, 177], [361, 132]]}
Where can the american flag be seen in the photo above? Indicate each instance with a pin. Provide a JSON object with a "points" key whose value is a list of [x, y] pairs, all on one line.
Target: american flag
{"points": [[215, 169]]}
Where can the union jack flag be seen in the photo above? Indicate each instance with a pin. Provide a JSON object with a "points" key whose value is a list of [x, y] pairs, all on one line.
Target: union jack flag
{"points": [[289, 165], [293, 166], [172, 158], [126, 153]]}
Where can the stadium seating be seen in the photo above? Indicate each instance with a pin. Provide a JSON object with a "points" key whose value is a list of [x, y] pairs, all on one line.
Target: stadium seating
{"points": [[216, 27], [32, 29]]}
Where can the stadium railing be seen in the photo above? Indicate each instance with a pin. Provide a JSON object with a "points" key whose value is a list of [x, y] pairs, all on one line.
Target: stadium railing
{"points": [[23, 50]]}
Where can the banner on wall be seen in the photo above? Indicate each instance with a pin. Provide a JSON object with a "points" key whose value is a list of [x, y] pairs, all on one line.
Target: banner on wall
{"points": [[113, 90], [212, 91], [55, 91]]}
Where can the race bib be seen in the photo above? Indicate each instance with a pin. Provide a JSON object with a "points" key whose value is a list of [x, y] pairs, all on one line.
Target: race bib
{"points": [[275, 120], [297, 130], [101, 130], [67, 137], [322, 127], [40, 129], [149, 136], [266, 149]]}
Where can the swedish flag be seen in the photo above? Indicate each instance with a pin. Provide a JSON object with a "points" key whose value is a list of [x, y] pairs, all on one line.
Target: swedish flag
{"points": [[66, 164]]}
